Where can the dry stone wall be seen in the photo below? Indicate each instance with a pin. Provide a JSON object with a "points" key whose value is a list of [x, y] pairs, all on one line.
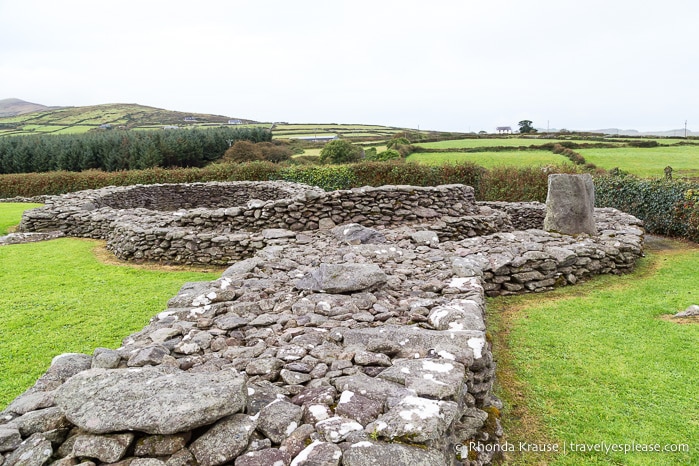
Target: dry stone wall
{"points": [[338, 346]]}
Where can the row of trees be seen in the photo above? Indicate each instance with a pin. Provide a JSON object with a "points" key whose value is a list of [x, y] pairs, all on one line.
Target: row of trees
{"points": [[121, 150]]}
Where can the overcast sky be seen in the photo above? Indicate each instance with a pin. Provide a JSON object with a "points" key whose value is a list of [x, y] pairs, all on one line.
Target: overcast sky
{"points": [[461, 65]]}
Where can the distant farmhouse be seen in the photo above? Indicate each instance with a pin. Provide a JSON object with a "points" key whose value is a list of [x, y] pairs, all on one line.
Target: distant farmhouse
{"points": [[235, 122], [190, 118], [504, 130]]}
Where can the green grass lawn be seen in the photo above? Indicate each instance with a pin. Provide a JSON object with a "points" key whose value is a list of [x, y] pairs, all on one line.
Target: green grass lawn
{"points": [[11, 213], [57, 297], [491, 159], [647, 162], [597, 363]]}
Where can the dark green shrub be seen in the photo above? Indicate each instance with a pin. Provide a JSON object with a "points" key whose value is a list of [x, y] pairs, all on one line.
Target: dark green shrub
{"points": [[340, 151], [666, 207]]}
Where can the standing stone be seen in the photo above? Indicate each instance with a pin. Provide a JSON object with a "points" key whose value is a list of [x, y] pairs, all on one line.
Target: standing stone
{"points": [[570, 205]]}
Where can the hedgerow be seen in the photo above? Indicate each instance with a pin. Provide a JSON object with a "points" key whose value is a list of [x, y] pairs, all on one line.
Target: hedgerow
{"points": [[667, 207]]}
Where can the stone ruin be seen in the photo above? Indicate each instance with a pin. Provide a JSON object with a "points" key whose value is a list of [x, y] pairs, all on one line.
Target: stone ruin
{"points": [[348, 330]]}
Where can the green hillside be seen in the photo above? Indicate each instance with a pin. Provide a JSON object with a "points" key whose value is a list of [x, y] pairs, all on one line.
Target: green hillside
{"points": [[107, 116]]}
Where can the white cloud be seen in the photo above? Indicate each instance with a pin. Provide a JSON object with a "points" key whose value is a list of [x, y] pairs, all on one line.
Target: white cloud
{"points": [[451, 65]]}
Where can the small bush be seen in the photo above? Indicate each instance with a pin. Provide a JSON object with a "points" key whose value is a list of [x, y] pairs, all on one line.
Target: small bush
{"points": [[340, 151], [242, 151]]}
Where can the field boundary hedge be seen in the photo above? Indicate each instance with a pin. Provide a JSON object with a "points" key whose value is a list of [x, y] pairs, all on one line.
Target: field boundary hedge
{"points": [[667, 207], [502, 184]]}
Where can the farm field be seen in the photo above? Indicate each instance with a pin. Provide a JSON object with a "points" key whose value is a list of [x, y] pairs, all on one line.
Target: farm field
{"points": [[491, 159], [600, 362], [486, 142], [647, 162]]}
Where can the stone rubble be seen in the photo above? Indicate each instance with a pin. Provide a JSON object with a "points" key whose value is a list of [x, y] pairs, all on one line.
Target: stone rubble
{"points": [[316, 351]]}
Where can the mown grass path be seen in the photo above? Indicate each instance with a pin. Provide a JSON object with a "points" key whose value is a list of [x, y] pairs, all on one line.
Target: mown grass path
{"points": [[600, 364]]}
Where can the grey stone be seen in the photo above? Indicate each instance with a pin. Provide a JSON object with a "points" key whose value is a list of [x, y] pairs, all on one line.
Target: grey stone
{"points": [[367, 358], [105, 358], [692, 310], [458, 315], [434, 378], [337, 428], [149, 399], [9, 439], [277, 233], [279, 419], [570, 204], [468, 266], [353, 233], [242, 267], [267, 457], [63, 367], [230, 322], [34, 451], [293, 378], [317, 395], [161, 445], [224, 441], [342, 278], [354, 406], [366, 453], [423, 238], [150, 355], [161, 335], [297, 441], [321, 453], [262, 393], [106, 448], [264, 366], [146, 462], [42, 420], [30, 401], [377, 389], [182, 458], [416, 418]]}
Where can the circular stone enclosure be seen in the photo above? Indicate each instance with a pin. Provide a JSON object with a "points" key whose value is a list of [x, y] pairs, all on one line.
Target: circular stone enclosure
{"points": [[172, 197]]}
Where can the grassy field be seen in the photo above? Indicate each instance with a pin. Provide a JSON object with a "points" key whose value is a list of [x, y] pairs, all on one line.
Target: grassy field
{"points": [[57, 297], [486, 142], [11, 213], [491, 159], [647, 162], [600, 363]]}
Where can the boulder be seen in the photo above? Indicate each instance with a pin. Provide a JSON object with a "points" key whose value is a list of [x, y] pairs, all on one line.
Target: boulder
{"points": [[153, 400], [570, 204], [342, 278]]}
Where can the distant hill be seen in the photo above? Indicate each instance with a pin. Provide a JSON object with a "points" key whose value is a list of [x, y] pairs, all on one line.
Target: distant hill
{"points": [[13, 107], [16, 117], [633, 132]]}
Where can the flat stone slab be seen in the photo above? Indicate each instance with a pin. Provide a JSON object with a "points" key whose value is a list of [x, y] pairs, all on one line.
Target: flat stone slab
{"points": [[150, 399], [342, 278]]}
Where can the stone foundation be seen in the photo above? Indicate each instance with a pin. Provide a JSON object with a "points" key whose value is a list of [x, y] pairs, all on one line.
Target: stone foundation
{"points": [[344, 346]]}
